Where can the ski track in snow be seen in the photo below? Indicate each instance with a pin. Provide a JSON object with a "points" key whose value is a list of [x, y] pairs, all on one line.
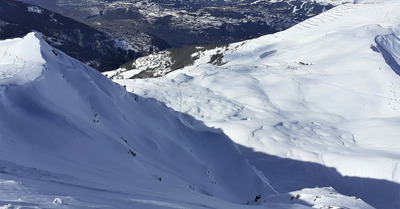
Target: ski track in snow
{"points": [[159, 203], [326, 17], [254, 132]]}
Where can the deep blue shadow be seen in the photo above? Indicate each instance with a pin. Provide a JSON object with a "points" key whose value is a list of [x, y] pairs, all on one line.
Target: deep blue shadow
{"points": [[288, 175], [389, 59]]}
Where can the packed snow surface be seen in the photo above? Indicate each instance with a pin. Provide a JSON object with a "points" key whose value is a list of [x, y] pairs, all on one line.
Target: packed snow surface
{"points": [[317, 104]]}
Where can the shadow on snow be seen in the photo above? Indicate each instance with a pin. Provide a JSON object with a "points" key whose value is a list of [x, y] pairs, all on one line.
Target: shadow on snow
{"points": [[288, 175], [381, 42]]}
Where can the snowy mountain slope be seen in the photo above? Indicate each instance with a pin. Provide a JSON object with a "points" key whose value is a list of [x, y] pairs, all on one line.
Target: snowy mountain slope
{"points": [[160, 63], [339, 2], [71, 138], [317, 102], [66, 129]]}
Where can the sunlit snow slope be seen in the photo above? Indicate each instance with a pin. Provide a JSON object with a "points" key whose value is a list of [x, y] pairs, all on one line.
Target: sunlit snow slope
{"points": [[317, 104], [69, 136]]}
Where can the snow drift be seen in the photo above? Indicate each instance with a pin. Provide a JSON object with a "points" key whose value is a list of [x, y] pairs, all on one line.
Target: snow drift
{"points": [[389, 46]]}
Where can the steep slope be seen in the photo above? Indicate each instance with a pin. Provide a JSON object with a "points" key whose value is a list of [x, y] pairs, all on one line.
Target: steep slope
{"points": [[316, 104], [71, 138], [67, 130], [389, 46]]}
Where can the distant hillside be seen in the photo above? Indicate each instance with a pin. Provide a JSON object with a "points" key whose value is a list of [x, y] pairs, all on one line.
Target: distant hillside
{"points": [[186, 23], [78, 40]]}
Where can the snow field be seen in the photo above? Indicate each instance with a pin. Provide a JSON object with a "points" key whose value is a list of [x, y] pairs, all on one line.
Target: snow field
{"points": [[72, 132], [309, 108], [320, 100]]}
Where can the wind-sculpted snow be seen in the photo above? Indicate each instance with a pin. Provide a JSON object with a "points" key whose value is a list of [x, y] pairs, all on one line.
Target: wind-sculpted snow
{"points": [[389, 46], [316, 104]]}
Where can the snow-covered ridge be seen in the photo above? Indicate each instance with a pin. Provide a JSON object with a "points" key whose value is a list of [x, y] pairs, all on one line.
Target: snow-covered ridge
{"points": [[336, 2], [72, 138], [159, 63], [339, 2], [332, 2], [73, 131], [320, 102], [21, 60]]}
